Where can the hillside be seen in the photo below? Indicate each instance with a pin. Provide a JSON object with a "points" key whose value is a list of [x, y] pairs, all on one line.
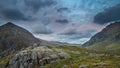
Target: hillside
{"points": [[14, 38], [107, 39]]}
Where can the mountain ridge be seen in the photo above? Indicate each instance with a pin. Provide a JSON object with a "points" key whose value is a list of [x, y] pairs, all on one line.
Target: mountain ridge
{"points": [[110, 34]]}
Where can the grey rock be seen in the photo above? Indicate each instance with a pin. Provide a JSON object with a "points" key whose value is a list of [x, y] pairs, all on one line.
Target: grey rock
{"points": [[65, 66], [36, 56], [64, 55], [83, 66]]}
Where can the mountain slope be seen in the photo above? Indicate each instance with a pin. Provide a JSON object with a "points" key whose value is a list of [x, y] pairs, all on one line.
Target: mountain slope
{"points": [[14, 38], [108, 38]]}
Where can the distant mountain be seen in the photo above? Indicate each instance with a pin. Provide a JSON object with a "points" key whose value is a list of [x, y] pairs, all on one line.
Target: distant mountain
{"points": [[14, 38], [56, 43], [108, 38]]}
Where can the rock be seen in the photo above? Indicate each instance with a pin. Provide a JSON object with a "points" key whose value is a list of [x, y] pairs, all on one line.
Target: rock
{"points": [[41, 66], [21, 66], [58, 50], [54, 57], [36, 56], [26, 65], [65, 66], [16, 64], [46, 60], [76, 52], [41, 62], [64, 55], [83, 66]]}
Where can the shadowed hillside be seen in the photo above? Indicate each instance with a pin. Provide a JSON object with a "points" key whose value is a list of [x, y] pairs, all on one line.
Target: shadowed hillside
{"points": [[107, 39], [14, 38]]}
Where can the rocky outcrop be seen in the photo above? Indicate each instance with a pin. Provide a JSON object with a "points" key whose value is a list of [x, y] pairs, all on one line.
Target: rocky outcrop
{"points": [[36, 57]]}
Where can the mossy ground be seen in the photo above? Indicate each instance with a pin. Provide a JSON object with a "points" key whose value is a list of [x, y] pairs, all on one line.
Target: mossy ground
{"points": [[4, 61], [80, 56]]}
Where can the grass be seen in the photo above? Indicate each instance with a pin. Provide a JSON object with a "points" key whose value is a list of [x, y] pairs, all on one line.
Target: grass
{"points": [[4, 61], [111, 47], [79, 56], [85, 59]]}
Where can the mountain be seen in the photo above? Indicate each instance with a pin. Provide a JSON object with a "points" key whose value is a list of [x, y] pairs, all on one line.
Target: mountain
{"points": [[14, 38], [107, 39], [56, 43]]}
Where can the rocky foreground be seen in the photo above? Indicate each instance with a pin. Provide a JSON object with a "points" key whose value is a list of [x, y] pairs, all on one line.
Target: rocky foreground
{"points": [[36, 57], [60, 57]]}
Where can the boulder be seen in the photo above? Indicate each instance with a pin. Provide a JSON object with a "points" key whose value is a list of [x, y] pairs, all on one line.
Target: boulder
{"points": [[83, 66]]}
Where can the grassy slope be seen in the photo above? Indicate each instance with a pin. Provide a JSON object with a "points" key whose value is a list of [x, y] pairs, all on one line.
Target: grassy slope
{"points": [[107, 39], [109, 46], [4, 61], [80, 56]]}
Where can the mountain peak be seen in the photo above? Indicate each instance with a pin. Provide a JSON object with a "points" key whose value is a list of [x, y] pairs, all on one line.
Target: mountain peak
{"points": [[9, 24], [14, 38]]}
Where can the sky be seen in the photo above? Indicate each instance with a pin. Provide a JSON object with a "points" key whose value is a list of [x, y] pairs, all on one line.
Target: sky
{"points": [[69, 21]]}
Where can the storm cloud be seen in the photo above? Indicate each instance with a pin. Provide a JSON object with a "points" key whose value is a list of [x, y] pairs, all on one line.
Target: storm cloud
{"points": [[108, 15], [37, 4], [22, 9], [62, 21], [63, 9], [42, 31], [13, 14], [75, 33]]}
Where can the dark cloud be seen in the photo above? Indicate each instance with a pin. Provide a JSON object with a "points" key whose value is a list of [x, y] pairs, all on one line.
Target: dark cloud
{"points": [[41, 29], [62, 21], [37, 4], [63, 9], [42, 32], [12, 14], [69, 32], [75, 34], [108, 15], [22, 10], [7, 3]]}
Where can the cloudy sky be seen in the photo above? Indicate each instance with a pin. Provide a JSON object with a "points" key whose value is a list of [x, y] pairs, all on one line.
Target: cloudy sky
{"points": [[72, 21]]}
